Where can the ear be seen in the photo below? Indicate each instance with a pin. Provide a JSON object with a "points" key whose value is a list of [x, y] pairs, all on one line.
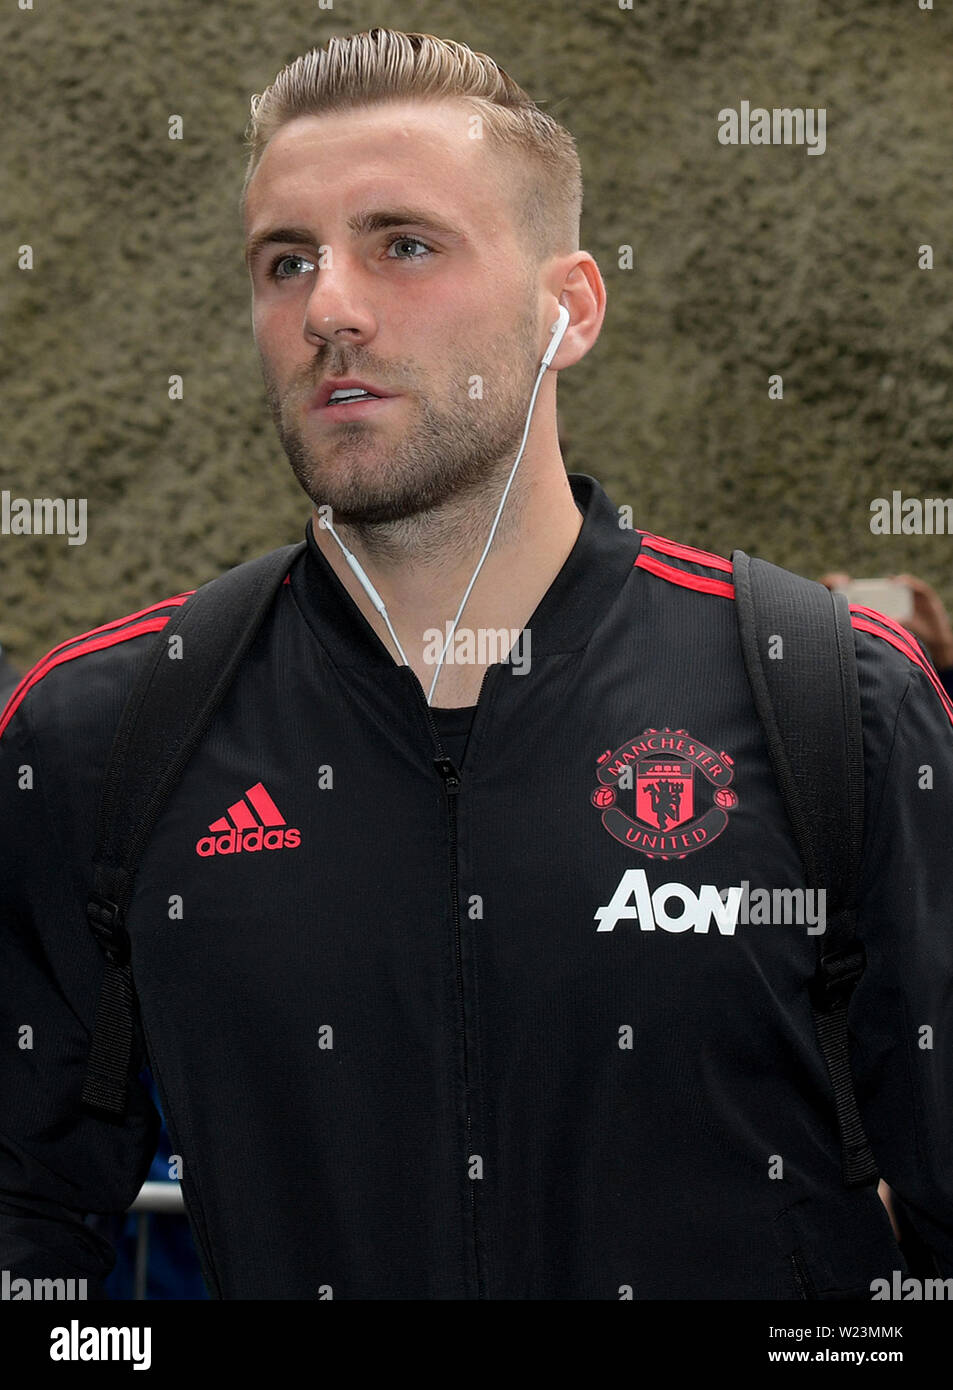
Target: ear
{"points": [[583, 293]]}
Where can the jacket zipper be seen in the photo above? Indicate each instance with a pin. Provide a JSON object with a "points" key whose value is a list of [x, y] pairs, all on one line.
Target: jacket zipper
{"points": [[802, 1277], [451, 783]]}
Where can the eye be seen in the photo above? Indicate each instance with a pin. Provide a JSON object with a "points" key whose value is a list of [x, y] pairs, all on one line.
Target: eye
{"points": [[274, 270], [409, 241]]}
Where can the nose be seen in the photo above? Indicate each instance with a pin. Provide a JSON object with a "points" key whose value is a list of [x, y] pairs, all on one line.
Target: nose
{"points": [[336, 310]]}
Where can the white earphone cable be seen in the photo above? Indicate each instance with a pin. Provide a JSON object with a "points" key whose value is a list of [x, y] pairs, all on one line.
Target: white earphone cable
{"points": [[557, 331], [368, 587], [486, 548]]}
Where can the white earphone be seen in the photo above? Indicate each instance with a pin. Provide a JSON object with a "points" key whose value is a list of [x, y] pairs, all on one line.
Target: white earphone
{"points": [[558, 331]]}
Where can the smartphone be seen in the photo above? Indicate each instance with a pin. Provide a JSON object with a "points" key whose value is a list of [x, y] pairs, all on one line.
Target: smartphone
{"points": [[888, 596]]}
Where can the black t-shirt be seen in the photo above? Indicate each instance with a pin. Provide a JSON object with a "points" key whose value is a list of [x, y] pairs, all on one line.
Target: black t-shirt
{"points": [[453, 726]]}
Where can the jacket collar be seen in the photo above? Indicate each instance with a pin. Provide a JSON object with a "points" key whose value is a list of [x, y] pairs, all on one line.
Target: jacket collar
{"points": [[566, 616]]}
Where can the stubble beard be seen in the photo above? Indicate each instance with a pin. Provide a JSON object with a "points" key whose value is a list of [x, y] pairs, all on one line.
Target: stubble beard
{"points": [[456, 449]]}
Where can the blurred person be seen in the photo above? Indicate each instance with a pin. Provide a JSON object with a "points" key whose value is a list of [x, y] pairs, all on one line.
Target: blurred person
{"points": [[929, 623]]}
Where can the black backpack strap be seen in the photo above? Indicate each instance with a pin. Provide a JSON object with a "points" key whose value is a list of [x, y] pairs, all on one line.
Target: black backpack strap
{"points": [[168, 711], [808, 701]]}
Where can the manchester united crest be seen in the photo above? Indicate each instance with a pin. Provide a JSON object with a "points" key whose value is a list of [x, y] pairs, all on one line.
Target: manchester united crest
{"points": [[661, 775]]}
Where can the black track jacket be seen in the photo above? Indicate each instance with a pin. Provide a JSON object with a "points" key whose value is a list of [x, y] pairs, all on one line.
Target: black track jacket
{"points": [[504, 1037]]}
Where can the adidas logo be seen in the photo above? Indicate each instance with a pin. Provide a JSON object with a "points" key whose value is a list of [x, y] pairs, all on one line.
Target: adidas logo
{"points": [[251, 823]]}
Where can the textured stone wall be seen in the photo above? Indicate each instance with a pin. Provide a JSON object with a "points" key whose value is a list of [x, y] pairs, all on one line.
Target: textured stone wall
{"points": [[748, 261]]}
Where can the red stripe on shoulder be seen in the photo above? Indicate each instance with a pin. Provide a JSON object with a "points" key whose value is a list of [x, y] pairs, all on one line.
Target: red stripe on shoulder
{"points": [[699, 582], [869, 620], [109, 635], [686, 552], [899, 638], [175, 602], [882, 618]]}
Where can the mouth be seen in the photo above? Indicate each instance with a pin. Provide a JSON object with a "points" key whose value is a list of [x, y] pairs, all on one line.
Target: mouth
{"points": [[355, 409], [348, 396]]}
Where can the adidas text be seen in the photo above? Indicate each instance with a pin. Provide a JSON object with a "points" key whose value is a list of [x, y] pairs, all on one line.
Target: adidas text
{"points": [[234, 841]]}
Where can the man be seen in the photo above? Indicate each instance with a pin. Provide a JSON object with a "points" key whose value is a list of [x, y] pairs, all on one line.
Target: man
{"points": [[439, 1004]]}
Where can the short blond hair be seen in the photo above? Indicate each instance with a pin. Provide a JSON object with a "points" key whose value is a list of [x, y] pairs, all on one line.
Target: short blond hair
{"points": [[385, 65]]}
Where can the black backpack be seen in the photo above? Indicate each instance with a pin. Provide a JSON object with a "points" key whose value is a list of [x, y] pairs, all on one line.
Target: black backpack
{"points": [[808, 703]]}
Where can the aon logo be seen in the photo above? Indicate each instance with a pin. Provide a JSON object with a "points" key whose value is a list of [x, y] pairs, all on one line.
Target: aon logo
{"points": [[671, 907]]}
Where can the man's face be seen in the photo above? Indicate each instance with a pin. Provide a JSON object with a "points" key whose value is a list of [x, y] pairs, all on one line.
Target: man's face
{"points": [[438, 307]]}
